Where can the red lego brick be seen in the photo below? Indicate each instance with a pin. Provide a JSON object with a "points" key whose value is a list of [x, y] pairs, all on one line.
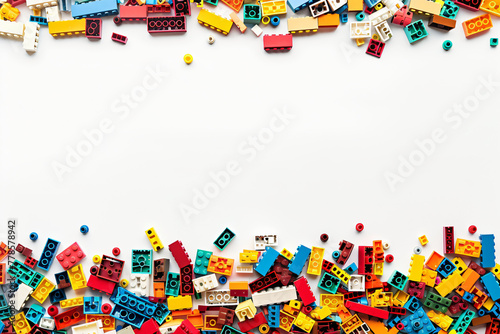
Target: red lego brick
{"points": [[148, 327], [186, 327], [70, 256], [187, 287], [368, 310], [264, 282], [375, 48], [449, 239], [164, 8], [100, 284], [234, 4], [133, 13], [167, 24], [328, 326], [373, 282], [37, 330], [248, 325], [93, 28], [469, 4], [225, 317], [304, 291], [397, 310], [402, 17], [365, 260], [416, 289], [278, 42], [110, 269], [3, 271], [493, 327], [178, 251], [23, 250], [281, 268], [30, 262], [119, 38], [345, 251], [182, 7], [16, 3], [353, 295], [69, 317]]}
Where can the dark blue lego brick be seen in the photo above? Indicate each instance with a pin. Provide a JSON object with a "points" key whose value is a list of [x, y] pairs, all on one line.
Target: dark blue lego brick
{"points": [[48, 254]]}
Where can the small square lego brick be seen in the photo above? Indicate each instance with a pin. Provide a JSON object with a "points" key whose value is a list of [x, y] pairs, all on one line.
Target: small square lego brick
{"points": [[493, 42], [423, 240]]}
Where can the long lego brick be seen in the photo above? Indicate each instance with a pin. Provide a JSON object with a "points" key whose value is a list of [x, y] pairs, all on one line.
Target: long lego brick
{"points": [[299, 259], [133, 12], [166, 24], [70, 27], [448, 239], [214, 21], [48, 253], [416, 267], [274, 296], [297, 5], [11, 29], [425, 7], [264, 282], [487, 250], [69, 317], [491, 285], [368, 310], [94, 9], [442, 22], [302, 24], [304, 291], [273, 7], [267, 261], [248, 325], [40, 4], [365, 260], [491, 6], [469, 4], [179, 253]]}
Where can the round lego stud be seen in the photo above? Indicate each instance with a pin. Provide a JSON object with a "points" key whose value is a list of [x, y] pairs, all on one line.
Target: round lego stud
{"points": [[400, 326], [389, 258], [379, 6], [360, 16], [116, 251], [117, 20], [211, 39], [106, 308], [336, 255], [386, 245], [169, 318], [472, 229], [123, 283], [33, 236], [188, 59], [264, 328], [360, 227], [447, 45], [96, 259], [266, 20], [275, 21], [52, 310], [84, 229], [438, 280], [307, 309], [94, 270], [324, 237], [376, 37], [417, 250], [222, 280]]}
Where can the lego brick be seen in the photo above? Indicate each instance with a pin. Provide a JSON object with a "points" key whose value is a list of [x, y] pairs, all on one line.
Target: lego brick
{"points": [[257, 32], [70, 256], [220, 297], [220, 265], [470, 278], [490, 6], [299, 259], [251, 14], [485, 319], [31, 36], [160, 270], [39, 4], [378, 250], [225, 316], [72, 302], [368, 310], [286, 321], [379, 16], [365, 260], [267, 260], [463, 322], [329, 283], [297, 5], [425, 7], [462, 246], [249, 256], [273, 7], [53, 14], [101, 284], [302, 25], [448, 237], [94, 9], [67, 28], [384, 31], [341, 274], [375, 48], [110, 269], [172, 286], [204, 283], [315, 261], [434, 260], [354, 5], [446, 267], [139, 13], [181, 7], [402, 17], [43, 290], [239, 23], [180, 303], [351, 324], [329, 20], [49, 251], [177, 249], [441, 22], [244, 269], [319, 8], [142, 261], [381, 299], [245, 310], [274, 295], [469, 4], [20, 324], [304, 291], [93, 28], [440, 319], [491, 285], [150, 233], [415, 31], [487, 250], [186, 279], [214, 21], [261, 242], [77, 277], [303, 322], [273, 316], [69, 317], [338, 5], [264, 282], [449, 284]]}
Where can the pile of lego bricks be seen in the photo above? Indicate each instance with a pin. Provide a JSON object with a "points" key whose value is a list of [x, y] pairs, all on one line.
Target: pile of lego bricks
{"points": [[440, 294]]}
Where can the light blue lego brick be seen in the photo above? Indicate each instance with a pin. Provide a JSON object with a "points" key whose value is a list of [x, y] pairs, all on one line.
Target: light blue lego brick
{"points": [[48, 254], [299, 259], [418, 323], [127, 316], [487, 250], [371, 3], [297, 5], [415, 31], [351, 269], [161, 313], [38, 19], [463, 321], [96, 8], [266, 261], [35, 313], [491, 285], [446, 267], [151, 2], [132, 302], [92, 305], [398, 280], [2, 327], [273, 316], [412, 304]]}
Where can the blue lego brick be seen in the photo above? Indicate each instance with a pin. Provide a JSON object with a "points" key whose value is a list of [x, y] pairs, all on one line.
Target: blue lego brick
{"points": [[351, 269], [39, 19], [449, 10], [463, 321], [363, 300], [371, 3], [251, 14], [297, 5], [35, 313], [92, 305], [344, 18], [468, 297], [62, 276], [487, 250], [418, 323], [273, 316], [161, 313], [142, 261], [132, 302], [491, 285], [482, 311], [226, 236], [94, 9], [127, 316], [393, 320], [413, 304], [201, 262], [495, 310], [48, 254], [446, 267], [151, 2], [299, 259], [172, 284], [57, 295], [415, 31], [398, 280], [2, 327], [266, 261], [329, 283]]}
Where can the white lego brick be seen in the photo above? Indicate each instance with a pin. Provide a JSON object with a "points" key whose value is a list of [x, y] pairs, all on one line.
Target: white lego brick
{"points": [[31, 35], [360, 29], [94, 327], [48, 323], [126, 330], [393, 5], [380, 15], [356, 283], [336, 4], [220, 297], [276, 295], [244, 269], [23, 293], [205, 283], [39, 4], [11, 29], [139, 284], [257, 30], [263, 241], [53, 14], [319, 8], [384, 31]]}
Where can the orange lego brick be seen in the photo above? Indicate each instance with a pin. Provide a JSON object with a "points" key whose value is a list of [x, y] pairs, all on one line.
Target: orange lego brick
{"points": [[472, 28], [491, 6], [329, 20], [234, 4], [220, 265], [434, 260], [470, 278]]}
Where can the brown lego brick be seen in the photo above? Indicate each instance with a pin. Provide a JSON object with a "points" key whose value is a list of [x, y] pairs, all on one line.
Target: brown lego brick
{"points": [[441, 22]]}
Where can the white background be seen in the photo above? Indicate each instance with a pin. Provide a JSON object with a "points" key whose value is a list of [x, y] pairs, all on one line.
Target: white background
{"points": [[354, 116]]}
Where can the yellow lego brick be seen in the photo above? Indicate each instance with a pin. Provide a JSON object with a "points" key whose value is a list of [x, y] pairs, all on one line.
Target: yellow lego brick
{"points": [[340, 274], [416, 267], [449, 284], [440, 319], [354, 5], [245, 310], [302, 24], [21, 325], [273, 7], [108, 322], [381, 299], [488, 304], [180, 303], [304, 322], [315, 261], [214, 21], [351, 323], [468, 248], [460, 264], [77, 301], [425, 7], [294, 307], [400, 298], [249, 256], [491, 6], [287, 254], [238, 285], [429, 277], [42, 290], [378, 268], [331, 301], [320, 313], [70, 27], [360, 41], [423, 240], [286, 321], [496, 270], [77, 277], [154, 239], [470, 278]]}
